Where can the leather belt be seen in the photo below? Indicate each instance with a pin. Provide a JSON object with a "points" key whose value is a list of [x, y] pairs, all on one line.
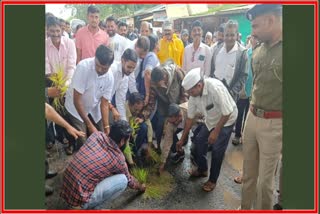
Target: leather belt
{"points": [[265, 114]]}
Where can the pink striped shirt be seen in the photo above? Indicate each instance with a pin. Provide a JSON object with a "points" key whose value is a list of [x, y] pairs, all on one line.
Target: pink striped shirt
{"points": [[88, 42], [64, 58]]}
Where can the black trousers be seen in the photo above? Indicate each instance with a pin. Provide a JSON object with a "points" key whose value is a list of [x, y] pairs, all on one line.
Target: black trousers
{"points": [[218, 150], [243, 107]]}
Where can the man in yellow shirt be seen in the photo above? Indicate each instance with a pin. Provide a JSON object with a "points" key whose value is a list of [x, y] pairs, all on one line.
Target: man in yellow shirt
{"points": [[170, 45]]}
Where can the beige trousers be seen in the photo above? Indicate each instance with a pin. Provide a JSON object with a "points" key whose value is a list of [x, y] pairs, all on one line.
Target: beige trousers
{"points": [[262, 146]]}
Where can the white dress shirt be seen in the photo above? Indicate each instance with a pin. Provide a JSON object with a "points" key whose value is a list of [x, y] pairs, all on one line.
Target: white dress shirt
{"points": [[92, 87], [118, 44], [225, 63], [120, 88], [200, 58], [214, 103]]}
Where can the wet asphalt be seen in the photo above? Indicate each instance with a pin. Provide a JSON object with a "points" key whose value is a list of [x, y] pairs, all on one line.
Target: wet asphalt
{"points": [[186, 193]]}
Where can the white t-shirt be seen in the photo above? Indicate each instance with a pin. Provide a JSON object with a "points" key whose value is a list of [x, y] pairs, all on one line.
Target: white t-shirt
{"points": [[92, 87], [214, 103], [200, 58], [120, 88], [225, 63], [118, 44]]}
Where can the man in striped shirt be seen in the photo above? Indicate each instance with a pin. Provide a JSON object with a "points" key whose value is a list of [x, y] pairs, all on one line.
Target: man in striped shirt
{"points": [[98, 172]]}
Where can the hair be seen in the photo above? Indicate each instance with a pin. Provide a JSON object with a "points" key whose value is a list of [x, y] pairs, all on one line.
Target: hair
{"points": [[144, 43], [111, 19], [157, 74], [130, 55], [93, 9], [184, 31], [221, 28], [52, 21], [153, 41], [62, 20], [122, 24], [120, 130], [79, 26], [173, 110], [147, 24], [67, 23], [232, 24], [135, 97], [102, 24], [104, 55], [196, 23]]}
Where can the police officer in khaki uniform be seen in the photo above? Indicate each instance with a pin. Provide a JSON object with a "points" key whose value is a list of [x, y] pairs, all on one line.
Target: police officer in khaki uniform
{"points": [[262, 140]]}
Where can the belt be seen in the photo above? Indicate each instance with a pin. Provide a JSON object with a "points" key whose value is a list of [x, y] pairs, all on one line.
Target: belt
{"points": [[265, 114]]}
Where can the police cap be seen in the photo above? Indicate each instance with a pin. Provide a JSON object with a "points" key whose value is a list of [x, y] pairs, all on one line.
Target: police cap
{"points": [[260, 9]]}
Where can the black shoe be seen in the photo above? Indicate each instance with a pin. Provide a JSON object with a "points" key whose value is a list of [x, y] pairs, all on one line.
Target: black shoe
{"points": [[49, 190], [178, 157], [277, 207], [51, 174]]}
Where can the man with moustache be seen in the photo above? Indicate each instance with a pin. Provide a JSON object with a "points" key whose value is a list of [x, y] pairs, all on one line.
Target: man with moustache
{"points": [[60, 51], [209, 97], [229, 61], [117, 43], [89, 94], [121, 71], [170, 47], [219, 38], [262, 136], [88, 38], [197, 54], [131, 35]]}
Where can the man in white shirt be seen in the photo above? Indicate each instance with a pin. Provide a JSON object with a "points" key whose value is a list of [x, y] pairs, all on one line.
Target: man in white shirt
{"points": [[197, 54], [87, 99], [121, 71], [117, 43], [210, 98], [229, 61]]}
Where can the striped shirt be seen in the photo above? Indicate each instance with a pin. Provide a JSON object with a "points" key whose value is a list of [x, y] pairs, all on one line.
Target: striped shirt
{"points": [[99, 158]]}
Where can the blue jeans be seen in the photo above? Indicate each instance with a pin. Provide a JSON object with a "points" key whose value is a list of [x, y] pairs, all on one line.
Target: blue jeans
{"points": [[218, 150], [107, 190]]}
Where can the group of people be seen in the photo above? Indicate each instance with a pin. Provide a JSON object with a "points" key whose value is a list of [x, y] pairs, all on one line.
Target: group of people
{"points": [[130, 92]]}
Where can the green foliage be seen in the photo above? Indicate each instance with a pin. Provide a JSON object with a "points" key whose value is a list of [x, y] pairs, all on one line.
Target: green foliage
{"points": [[58, 80], [158, 187], [155, 157], [118, 10], [140, 174]]}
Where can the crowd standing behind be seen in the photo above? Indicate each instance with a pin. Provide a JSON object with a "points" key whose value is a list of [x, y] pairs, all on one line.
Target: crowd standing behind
{"points": [[128, 86]]}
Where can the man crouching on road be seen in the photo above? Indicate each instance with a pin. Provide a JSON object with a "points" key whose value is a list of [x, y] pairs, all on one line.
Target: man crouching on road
{"points": [[211, 98], [98, 172]]}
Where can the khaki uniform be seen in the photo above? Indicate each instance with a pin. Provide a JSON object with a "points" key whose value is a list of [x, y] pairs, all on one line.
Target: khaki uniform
{"points": [[262, 140]]}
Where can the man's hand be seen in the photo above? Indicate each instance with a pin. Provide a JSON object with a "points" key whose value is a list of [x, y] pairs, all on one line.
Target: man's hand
{"points": [[138, 120], [116, 115], [213, 136], [92, 129], [107, 130], [179, 146], [146, 100], [75, 133], [142, 188], [53, 92]]}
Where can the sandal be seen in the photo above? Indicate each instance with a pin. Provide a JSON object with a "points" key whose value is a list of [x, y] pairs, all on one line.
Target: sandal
{"points": [[208, 186], [196, 173], [238, 179]]}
